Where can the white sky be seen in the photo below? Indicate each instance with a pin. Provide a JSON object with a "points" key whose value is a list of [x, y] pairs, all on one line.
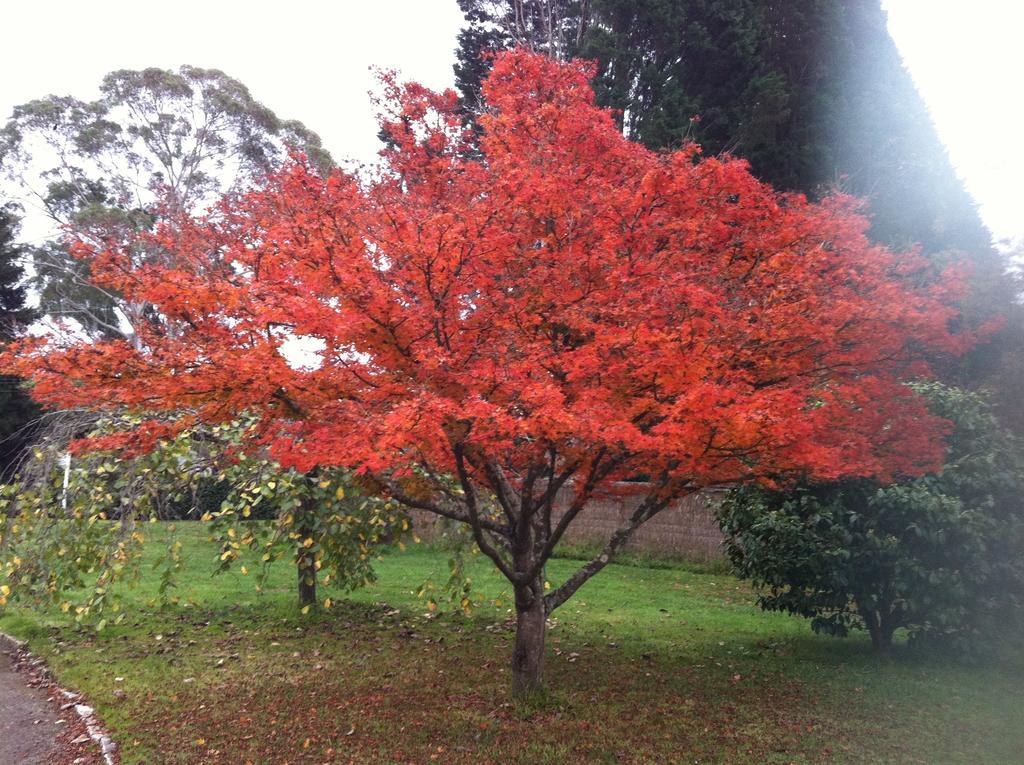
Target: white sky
{"points": [[310, 61], [968, 62]]}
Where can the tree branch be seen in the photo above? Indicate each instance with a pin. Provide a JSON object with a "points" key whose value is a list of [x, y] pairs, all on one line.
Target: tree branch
{"points": [[596, 473], [438, 509], [475, 521]]}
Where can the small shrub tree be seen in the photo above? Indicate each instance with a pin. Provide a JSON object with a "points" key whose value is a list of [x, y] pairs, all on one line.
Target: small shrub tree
{"points": [[70, 530], [938, 555]]}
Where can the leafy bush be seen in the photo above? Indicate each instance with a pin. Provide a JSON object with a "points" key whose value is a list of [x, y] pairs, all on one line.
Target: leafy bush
{"points": [[70, 530], [204, 497], [939, 555]]}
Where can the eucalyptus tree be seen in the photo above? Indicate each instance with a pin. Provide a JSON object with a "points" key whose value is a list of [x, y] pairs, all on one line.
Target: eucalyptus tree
{"points": [[155, 142]]}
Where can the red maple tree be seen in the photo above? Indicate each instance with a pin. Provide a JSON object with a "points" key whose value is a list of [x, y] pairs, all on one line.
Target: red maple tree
{"points": [[556, 308]]}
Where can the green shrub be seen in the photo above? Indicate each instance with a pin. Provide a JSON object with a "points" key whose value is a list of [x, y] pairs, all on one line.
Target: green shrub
{"points": [[939, 555]]}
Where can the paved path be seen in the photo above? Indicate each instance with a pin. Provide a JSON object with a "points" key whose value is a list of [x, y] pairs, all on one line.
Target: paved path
{"points": [[28, 723]]}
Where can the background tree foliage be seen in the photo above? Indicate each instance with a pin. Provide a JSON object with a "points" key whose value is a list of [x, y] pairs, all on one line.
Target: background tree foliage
{"points": [[18, 413], [938, 555]]}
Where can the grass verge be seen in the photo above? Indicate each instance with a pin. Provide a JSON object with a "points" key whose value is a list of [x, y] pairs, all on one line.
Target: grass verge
{"points": [[645, 665]]}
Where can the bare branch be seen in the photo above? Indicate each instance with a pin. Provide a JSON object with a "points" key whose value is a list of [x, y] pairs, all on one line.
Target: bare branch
{"points": [[652, 504], [475, 522]]}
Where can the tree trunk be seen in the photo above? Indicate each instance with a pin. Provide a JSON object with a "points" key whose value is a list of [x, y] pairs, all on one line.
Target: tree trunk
{"points": [[307, 581], [306, 564], [879, 629], [882, 641], [528, 652]]}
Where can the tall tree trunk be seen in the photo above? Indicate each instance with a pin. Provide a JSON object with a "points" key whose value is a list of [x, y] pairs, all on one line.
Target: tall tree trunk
{"points": [[531, 629]]}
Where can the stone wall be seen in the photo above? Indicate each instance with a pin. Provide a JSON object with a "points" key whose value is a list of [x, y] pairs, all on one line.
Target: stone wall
{"points": [[685, 529]]}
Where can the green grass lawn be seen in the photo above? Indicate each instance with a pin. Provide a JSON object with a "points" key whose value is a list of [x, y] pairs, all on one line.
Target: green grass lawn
{"points": [[644, 665]]}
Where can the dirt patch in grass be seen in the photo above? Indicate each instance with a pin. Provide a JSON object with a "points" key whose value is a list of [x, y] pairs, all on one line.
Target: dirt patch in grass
{"points": [[413, 691]]}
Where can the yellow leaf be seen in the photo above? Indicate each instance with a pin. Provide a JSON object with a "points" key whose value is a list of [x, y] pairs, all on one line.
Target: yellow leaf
{"points": [[308, 542], [340, 493], [5, 589], [327, 603], [244, 571], [305, 609]]}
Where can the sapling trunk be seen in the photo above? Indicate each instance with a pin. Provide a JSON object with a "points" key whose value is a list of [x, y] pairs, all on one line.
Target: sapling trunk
{"points": [[307, 581], [306, 564]]}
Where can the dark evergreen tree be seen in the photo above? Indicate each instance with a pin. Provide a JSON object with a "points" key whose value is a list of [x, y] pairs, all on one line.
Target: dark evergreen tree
{"points": [[813, 93], [18, 412]]}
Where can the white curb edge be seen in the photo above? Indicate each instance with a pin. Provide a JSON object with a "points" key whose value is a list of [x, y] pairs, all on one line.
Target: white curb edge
{"points": [[88, 715]]}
